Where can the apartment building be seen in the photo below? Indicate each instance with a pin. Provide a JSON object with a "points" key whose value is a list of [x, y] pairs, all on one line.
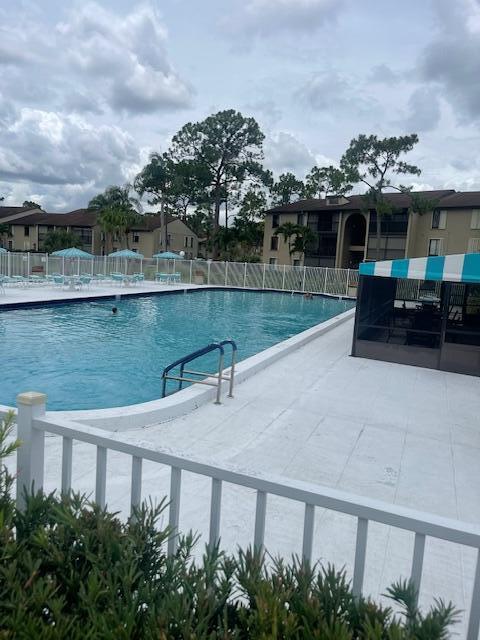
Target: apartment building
{"points": [[28, 228], [345, 230]]}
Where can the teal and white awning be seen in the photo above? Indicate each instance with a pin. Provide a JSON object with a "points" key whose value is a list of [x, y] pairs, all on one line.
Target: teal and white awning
{"points": [[464, 267]]}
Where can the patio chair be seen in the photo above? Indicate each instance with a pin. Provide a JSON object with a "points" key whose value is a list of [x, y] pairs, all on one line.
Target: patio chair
{"points": [[85, 281], [20, 280], [162, 278], [117, 277], [58, 281]]}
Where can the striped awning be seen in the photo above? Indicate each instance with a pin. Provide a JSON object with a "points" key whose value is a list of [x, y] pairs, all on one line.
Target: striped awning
{"points": [[464, 267]]}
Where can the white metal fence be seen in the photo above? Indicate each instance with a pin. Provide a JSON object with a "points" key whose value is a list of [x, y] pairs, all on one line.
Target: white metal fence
{"points": [[338, 282], [33, 423]]}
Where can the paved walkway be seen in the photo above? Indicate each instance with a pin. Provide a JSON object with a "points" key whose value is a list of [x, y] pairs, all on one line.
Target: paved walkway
{"points": [[402, 434], [49, 293]]}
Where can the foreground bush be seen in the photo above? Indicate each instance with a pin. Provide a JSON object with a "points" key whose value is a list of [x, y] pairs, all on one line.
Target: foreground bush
{"points": [[71, 570]]}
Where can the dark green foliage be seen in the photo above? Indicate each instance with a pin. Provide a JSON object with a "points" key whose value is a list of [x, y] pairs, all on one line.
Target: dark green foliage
{"points": [[60, 239], [70, 570]]}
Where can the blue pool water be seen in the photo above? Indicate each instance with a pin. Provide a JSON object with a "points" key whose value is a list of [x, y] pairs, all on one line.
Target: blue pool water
{"points": [[83, 357]]}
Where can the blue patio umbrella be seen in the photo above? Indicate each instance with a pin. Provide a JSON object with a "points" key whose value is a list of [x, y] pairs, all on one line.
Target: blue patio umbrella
{"points": [[126, 254], [2, 250], [73, 252], [168, 255]]}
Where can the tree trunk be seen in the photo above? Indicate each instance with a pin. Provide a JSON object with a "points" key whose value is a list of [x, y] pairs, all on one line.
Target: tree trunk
{"points": [[163, 226], [379, 234], [216, 224]]}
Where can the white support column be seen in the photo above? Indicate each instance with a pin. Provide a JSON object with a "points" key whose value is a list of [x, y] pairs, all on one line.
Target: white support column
{"points": [[263, 277], [30, 457], [28, 264], [46, 264], [226, 273], [283, 279], [208, 272], [245, 275], [9, 264], [303, 281], [191, 270]]}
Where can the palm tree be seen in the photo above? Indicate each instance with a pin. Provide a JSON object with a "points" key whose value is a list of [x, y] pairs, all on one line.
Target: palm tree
{"points": [[303, 238], [118, 212], [287, 230]]}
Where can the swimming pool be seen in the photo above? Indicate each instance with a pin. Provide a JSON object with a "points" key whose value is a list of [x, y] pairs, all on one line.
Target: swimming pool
{"points": [[84, 357]]}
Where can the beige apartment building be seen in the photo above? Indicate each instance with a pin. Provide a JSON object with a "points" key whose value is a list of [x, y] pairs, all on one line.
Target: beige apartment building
{"points": [[28, 228], [345, 232]]}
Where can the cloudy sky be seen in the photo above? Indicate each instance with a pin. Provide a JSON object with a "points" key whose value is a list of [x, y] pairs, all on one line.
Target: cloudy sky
{"points": [[89, 89]]}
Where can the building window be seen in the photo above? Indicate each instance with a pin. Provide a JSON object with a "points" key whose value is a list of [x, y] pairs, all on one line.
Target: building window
{"points": [[185, 241], [296, 263], [169, 239], [191, 241], [136, 237], [274, 243], [26, 231], [300, 219], [435, 247], [275, 220], [272, 261], [439, 219], [475, 223], [473, 245]]}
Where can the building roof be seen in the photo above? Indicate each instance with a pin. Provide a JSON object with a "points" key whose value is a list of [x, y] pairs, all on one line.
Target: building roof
{"points": [[461, 199], [357, 202], [77, 218], [88, 218], [6, 212]]}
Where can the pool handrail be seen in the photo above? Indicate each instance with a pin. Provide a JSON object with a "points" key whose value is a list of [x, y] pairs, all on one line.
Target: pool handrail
{"points": [[219, 377]]}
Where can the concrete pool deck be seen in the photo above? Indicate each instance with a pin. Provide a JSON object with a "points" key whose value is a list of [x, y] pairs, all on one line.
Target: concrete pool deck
{"points": [[44, 293], [401, 434]]}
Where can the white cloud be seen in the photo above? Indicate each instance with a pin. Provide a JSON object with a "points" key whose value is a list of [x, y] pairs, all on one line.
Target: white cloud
{"points": [[284, 152], [452, 59], [65, 152], [267, 17], [95, 59]]}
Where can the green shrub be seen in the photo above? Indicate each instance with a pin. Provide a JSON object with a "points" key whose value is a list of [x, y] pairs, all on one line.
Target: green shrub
{"points": [[69, 569]]}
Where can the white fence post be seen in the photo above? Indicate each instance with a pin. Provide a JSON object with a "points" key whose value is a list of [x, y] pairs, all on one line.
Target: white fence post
{"points": [[245, 275], [28, 264], [9, 264], [303, 281], [263, 277], [226, 273], [348, 281], [208, 272], [283, 279], [30, 455], [191, 270], [46, 264]]}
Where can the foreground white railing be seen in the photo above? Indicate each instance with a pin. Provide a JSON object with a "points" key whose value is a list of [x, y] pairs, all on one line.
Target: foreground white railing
{"points": [[33, 424], [332, 281]]}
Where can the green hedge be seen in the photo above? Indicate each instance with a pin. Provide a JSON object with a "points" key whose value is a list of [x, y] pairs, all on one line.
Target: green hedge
{"points": [[71, 570]]}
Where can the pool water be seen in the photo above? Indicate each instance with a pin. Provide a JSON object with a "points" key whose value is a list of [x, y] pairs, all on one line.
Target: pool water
{"points": [[84, 357]]}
